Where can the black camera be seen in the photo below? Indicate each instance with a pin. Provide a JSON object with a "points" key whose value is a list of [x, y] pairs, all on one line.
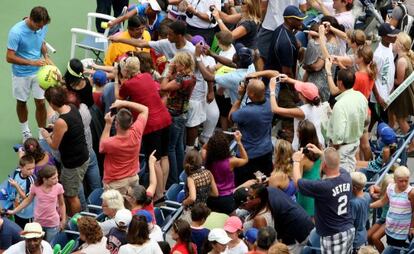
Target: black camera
{"points": [[114, 111], [212, 19], [305, 150]]}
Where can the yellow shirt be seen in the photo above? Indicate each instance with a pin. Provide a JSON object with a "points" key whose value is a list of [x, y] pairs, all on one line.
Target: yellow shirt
{"points": [[117, 49]]}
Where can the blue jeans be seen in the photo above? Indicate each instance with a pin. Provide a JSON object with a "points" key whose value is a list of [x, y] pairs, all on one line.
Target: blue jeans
{"points": [[50, 233], [92, 175], [108, 96], [176, 148]]}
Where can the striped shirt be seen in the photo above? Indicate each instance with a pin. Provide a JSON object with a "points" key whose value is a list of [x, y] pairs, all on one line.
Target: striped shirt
{"points": [[397, 224]]}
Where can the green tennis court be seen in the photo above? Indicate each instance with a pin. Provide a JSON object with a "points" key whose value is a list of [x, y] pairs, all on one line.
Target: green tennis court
{"points": [[65, 15]]}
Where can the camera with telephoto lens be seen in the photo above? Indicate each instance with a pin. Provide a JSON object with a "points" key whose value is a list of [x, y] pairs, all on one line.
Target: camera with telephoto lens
{"points": [[212, 19]]}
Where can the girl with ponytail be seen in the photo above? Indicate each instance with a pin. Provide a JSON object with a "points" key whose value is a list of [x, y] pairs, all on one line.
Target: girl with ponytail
{"points": [[403, 105], [182, 235], [200, 182]]}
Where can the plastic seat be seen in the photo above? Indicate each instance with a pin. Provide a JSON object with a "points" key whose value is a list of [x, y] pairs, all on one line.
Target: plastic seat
{"points": [[173, 191], [90, 40], [95, 201]]}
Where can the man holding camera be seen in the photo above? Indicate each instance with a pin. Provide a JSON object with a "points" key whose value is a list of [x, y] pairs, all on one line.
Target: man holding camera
{"points": [[255, 123], [121, 164]]}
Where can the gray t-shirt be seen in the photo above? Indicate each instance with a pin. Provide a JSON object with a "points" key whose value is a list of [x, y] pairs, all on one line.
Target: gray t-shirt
{"points": [[169, 49]]}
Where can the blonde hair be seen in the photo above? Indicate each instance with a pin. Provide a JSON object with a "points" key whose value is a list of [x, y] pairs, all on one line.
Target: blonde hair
{"points": [[278, 248], [186, 60], [404, 40], [368, 249], [401, 171], [283, 155], [114, 199], [358, 180], [388, 179], [253, 11]]}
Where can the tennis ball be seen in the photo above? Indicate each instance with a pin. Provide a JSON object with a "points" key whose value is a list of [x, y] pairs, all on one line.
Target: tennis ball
{"points": [[47, 76]]}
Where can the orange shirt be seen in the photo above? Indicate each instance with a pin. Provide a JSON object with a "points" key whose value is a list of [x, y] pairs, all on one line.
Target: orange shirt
{"points": [[363, 83], [122, 152], [117, 49]]}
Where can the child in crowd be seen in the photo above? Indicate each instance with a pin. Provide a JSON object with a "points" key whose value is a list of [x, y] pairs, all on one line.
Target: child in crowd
{"points": [[399, 195], [225, 43], [48, 194], [233, 227], [377, 231], [388, 140], [99, 80], [20, 181], [199, 234], [359, 209], [117, 236]]}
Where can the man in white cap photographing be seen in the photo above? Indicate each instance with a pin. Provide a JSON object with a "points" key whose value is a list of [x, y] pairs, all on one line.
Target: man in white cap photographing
{"points": [[33, 241]]}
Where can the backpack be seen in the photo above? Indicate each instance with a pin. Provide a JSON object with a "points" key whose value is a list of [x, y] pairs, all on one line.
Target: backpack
{"points": [[406, 23]]}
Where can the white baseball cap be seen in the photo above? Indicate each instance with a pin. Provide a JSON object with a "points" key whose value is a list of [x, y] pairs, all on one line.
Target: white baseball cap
{"points": [[219, 235], [123, 217], [153, 3]]}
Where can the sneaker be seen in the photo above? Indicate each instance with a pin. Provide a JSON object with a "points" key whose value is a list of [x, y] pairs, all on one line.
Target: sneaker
{"points": [[26, 134]]}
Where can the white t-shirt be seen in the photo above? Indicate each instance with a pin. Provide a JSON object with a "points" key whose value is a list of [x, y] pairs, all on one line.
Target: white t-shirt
{"points": [[313, 114], [169, 49], [346, 19], [274, 13], [240, 248], [156, 234], [229, 53], [20, 248], [200, 89], [150, 247], [384, 58], [204, 7], [96, 248]]}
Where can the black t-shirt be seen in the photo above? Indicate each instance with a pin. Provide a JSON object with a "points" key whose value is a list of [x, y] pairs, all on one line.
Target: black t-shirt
{"points": [[85, 95], [9, 234], [292, 223], [248, 40], [332, 202]]}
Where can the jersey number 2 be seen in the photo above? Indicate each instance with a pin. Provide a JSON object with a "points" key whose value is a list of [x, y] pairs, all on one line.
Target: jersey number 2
{"points": [[342, 202]]}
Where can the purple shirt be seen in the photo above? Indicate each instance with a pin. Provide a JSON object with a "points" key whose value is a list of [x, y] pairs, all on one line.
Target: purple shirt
{"points": [[223, 176]]}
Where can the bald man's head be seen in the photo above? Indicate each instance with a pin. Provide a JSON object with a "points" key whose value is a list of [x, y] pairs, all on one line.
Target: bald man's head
{"points": [[256, 90]]}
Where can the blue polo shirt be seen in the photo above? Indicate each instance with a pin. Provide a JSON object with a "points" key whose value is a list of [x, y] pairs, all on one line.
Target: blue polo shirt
{"points": [[27, 44], [255, 123], [231, 81]]}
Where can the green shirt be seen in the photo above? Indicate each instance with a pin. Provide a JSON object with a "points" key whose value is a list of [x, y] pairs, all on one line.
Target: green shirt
{"points": [[346, 124]]}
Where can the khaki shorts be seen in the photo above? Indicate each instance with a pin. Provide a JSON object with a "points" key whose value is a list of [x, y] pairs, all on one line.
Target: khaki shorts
{"points": [[122, 185], [71, 179], [24, 86]]}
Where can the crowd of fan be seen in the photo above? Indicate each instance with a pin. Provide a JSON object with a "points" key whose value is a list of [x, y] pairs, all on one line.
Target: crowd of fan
{"points": [[292, 84]]}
